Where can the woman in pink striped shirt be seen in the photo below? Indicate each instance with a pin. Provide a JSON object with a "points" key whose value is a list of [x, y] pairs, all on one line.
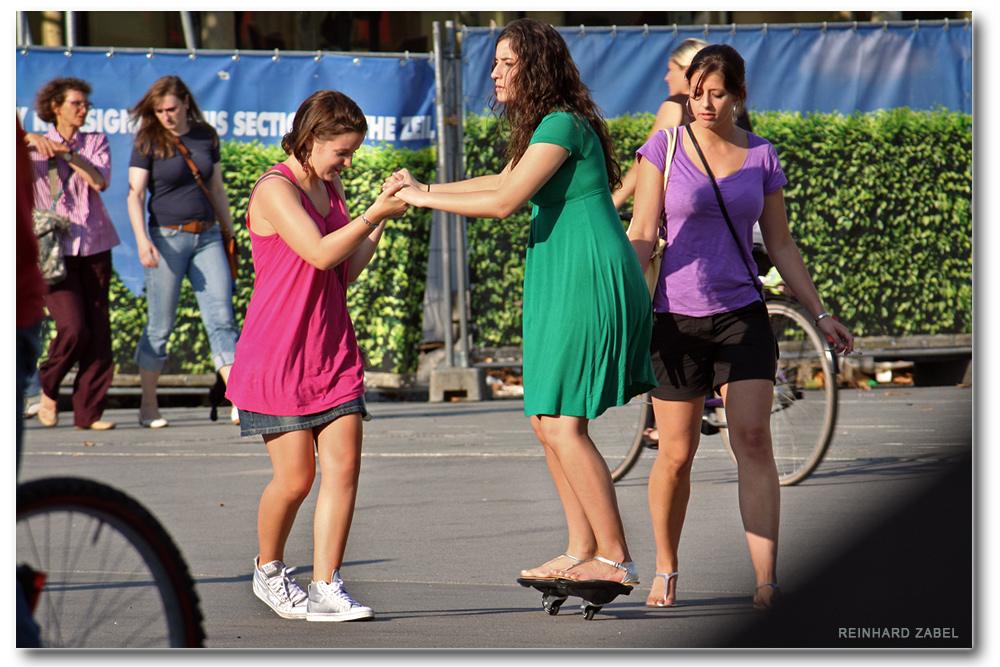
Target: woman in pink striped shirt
{"points": [[79, 302]]}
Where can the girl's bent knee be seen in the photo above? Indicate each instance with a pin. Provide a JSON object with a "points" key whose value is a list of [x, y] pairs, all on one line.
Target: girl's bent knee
{"points": [[292, 490], [673, 466]]}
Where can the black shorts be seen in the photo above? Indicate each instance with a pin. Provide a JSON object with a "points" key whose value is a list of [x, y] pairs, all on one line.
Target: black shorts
{"points": [[693, 356]]}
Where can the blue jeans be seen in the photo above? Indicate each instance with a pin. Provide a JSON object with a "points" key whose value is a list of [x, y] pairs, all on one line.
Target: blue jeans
{"points": [[202, 259]]}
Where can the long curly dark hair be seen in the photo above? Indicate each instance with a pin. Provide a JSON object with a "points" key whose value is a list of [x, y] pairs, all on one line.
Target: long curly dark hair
{"points": [[545, 80], [152, 138]]}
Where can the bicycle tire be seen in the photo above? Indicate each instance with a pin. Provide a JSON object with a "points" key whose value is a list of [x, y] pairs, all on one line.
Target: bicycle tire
{"points": [[618, 434], [805, 405], [114, 577]]}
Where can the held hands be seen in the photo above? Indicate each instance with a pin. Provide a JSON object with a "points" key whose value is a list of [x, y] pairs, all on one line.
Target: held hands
{"points": [[408, 187], [388, 205]]}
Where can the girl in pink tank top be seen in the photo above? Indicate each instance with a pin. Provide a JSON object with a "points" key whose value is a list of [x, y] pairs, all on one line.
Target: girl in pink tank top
{"points": [[297, 378]]}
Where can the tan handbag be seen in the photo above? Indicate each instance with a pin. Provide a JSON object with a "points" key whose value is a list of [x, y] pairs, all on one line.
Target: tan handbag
{"points": [[652, 273]]}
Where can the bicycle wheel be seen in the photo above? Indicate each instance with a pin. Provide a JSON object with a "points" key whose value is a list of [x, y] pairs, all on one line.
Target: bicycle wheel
{"points": [[113, 577], [804, 407], [618, 434]]}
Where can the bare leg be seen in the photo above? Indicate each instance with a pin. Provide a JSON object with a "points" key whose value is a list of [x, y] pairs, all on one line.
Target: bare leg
{"points": [[294, 461], [590, 493], [670, 487], [339, 445], [582, 542], [748, 414]]}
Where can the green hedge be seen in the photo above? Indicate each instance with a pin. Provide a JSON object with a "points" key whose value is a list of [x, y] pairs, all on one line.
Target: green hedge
{"points": [[879, 203], [881, 206]]}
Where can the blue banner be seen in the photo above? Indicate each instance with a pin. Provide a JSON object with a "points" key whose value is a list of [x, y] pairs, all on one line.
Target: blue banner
{"points": [[836, 67], [245, 96]]}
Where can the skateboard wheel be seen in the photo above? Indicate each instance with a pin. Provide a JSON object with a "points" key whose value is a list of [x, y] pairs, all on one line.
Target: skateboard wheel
{"points": [[590, 609], [551, 604]]}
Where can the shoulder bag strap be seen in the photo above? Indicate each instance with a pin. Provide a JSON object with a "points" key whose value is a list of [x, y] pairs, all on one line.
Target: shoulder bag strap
{"points": [[54, 180], [725, 213], [671, 134], [197, 176]]}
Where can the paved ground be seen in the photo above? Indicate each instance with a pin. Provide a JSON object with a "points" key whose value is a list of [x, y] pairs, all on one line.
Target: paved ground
{"points": [[455, 499]]}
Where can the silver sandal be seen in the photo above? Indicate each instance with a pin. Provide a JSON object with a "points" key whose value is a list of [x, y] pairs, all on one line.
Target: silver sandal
{"points": [[666, 589], [576, 561], [631, 577]]}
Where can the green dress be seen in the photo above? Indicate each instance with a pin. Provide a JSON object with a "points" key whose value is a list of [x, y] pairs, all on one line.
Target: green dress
{"points": [[587, 313]]}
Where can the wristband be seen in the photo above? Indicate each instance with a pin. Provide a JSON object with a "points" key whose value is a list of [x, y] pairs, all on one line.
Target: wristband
{"points": [[821, 316], [365, 219]]}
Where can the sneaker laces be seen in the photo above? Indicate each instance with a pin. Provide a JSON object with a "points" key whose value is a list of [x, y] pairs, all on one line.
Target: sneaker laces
{"points": [[286, 588], [336, 590]]}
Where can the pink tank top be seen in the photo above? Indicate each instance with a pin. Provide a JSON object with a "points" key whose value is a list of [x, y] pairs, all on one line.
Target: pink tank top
{"points": [[297, 353]]}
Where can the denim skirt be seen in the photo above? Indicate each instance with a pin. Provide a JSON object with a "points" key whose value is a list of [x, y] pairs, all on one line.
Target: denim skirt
{"points": [[257, 423]]}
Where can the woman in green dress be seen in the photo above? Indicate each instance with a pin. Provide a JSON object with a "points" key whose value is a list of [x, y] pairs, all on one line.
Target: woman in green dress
{"points": [[587, 315]]}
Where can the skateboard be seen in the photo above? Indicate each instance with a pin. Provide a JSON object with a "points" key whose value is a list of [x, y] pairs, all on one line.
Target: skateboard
{"points": [[595, 594]]}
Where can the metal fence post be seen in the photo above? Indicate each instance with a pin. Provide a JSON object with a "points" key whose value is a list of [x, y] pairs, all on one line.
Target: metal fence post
{"points": [[443, 167], [461, 376]]}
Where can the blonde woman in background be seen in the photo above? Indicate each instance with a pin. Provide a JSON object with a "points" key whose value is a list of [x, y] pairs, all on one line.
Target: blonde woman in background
{"points": [[672, 113]]}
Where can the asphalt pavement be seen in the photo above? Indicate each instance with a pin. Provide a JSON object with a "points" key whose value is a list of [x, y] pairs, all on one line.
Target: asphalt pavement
{"points": [[455, 499]]}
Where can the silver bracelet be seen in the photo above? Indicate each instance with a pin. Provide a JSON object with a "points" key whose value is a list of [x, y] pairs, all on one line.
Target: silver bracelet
{"points": [[365, 219], [821, 316]]}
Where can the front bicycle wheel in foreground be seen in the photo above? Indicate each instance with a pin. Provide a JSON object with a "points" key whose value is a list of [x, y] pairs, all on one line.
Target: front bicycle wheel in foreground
{"points": [[102, 571]]}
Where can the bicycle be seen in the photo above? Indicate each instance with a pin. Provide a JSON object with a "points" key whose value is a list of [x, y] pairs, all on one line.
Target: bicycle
{"points": [[99, 570], [803, 409]]}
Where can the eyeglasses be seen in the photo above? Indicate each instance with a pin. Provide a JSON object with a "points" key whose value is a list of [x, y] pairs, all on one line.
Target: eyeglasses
{"points": [[83, 105]]}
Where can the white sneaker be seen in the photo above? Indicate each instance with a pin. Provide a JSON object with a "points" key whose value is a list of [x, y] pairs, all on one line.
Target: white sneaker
{"points": [[332, 602], [279, 591]]}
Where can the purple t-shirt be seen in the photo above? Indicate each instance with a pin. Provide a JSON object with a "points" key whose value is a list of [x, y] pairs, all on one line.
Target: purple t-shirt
{"points": [[702, 272]]}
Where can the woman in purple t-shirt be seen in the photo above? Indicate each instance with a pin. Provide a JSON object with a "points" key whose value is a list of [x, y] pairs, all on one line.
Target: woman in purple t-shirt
{"points": [[710, 327]]}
